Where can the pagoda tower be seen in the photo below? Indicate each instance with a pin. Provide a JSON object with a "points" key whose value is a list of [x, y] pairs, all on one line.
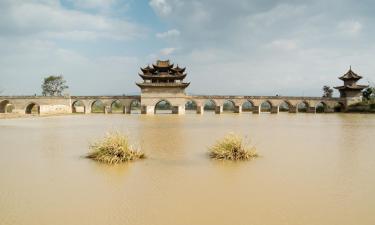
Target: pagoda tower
{"points": [[351, 90], [163, 81]]}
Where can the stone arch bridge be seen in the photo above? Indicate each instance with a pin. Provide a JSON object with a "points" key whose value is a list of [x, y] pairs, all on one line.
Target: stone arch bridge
{"points": [[84, 104]]}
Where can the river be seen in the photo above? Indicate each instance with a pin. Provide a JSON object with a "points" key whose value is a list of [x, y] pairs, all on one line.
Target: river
{"points": [[312, 170]]}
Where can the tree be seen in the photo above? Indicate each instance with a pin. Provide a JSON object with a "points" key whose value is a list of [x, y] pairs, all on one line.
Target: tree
{"points": [[368, 93], [327, 91], [54, 85]]}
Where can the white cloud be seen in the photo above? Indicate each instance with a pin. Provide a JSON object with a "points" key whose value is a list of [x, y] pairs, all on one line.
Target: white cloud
{"points": [[54, 21], [287, 47], [167, 51], [168, 34], [162, 7]]}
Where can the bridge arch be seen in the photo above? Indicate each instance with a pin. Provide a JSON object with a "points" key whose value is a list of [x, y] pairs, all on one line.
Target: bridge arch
{"points": [[163, 107], [285, 106], [97, 106], [5, 106], [229, 105], [266, 106], [117, 106], [209, 105], [247, 106], [135, 106], [303, 106], [191, 105], [78, 106], [321, 107], [339, 107], [32, 108]]}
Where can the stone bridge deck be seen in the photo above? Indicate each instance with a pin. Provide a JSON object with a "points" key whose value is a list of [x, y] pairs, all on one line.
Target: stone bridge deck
{"points": [[84, 104]]}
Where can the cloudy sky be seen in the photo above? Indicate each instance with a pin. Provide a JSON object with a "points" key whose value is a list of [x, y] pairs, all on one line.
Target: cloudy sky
{"points": [[237, 47]]}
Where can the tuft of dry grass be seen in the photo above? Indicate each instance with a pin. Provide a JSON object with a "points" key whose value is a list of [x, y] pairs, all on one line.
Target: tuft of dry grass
{"points": [[232, 147], [114, 148]]}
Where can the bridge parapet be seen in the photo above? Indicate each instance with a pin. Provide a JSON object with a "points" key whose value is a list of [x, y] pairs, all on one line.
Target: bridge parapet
{"points": [[66, 104]]}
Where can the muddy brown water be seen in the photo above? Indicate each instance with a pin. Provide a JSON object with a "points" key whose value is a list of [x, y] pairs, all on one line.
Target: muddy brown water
{"points": [[313, 169]]}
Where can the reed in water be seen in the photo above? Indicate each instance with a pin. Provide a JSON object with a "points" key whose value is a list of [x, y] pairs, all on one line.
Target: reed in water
{"points": [[232, 147], [114, 148]]}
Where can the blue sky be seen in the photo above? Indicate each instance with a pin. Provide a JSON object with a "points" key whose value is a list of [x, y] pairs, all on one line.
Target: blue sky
{"points": [[237, 47]]}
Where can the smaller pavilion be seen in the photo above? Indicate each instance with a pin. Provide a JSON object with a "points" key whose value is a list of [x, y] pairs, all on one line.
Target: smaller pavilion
{"points": [[351, 90]]}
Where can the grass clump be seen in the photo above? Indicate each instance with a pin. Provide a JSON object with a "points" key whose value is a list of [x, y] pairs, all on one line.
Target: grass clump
{"points": [[232, 147], [114, 148]]}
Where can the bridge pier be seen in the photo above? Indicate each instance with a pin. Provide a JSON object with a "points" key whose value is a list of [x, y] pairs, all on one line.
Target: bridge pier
{"points": [[107, 109], [126, 110], [146, 109], [219, 109], [238, 108], [311, 109], [256, 109], [275, 109], [293, 109], [200, 109], [180, 110], [87, 109]]}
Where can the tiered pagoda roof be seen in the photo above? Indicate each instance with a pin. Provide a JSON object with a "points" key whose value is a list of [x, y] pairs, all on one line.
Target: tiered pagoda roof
{"points": [[350, 75], [161, 74], [350, 79]]}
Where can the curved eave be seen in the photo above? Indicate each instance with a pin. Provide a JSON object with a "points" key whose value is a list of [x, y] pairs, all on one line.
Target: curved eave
{"points": [[177, 69], [168, 66], [358, 87], [168, 77], [147, 70], [350, 78], [163, 85]]}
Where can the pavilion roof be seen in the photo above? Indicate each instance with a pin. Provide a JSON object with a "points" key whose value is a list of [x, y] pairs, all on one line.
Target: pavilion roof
{"points": [[350, 75], [352, 87], [163, 69]]}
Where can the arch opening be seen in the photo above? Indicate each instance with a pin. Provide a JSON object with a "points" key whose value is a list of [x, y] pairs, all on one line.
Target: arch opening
{"points": [[321, 107], [163, 107], [247, 106], [191, 106], [209, 105], [117, 107], [339, 107], [32, 108], [228, 106], [266, 106], [78, 107], [284, 106], [97, 107], [135, 107], [302, 107], [6, 107]]}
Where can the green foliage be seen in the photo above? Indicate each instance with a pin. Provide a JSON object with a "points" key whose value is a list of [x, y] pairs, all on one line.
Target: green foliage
{"points": [[228, 106], [327, 92], [114, 148], [53, 86], [209, 105], [369, 93], [247, 106], [190, 105], [232, 147]]}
